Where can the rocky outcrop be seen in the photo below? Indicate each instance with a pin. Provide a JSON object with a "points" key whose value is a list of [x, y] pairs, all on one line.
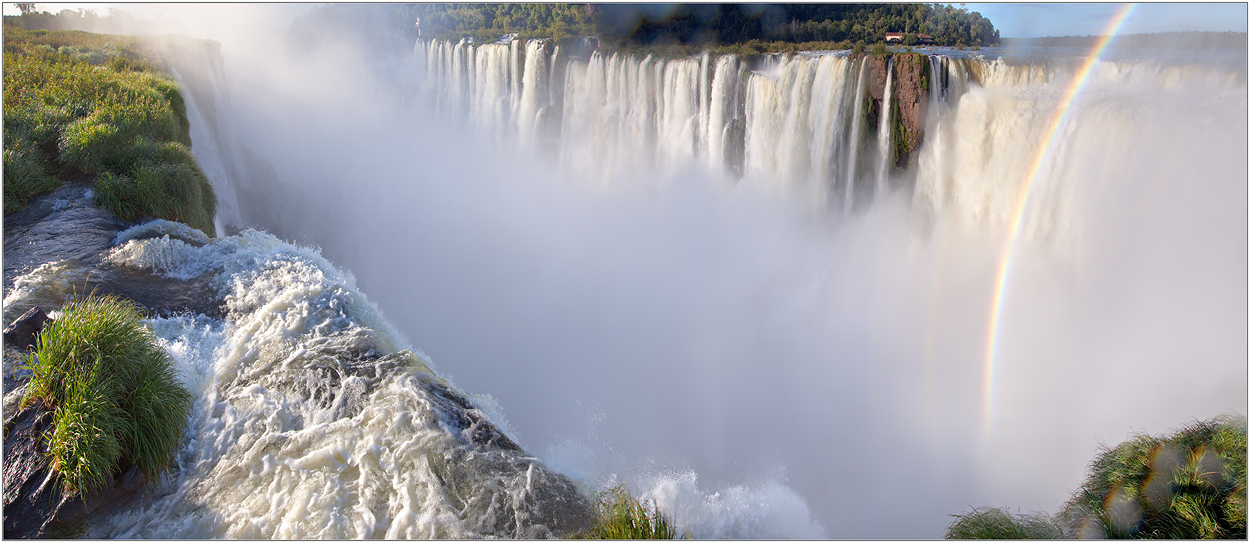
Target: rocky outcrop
{"points": [[911, 95], [909, 101], [21, 335]]}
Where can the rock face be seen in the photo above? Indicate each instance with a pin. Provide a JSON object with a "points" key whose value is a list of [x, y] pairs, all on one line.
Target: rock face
{"points": [[909, 97], [911, 92], [31, 497]]}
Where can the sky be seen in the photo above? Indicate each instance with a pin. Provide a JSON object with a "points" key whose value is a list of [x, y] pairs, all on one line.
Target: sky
{"points": [[1027, 20], [1014, 20]]}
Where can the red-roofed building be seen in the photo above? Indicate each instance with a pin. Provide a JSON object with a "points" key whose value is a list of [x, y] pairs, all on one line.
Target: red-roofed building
{"points": [[893, 37]]}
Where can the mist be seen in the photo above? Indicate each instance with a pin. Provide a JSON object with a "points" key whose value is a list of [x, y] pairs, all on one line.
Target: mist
{"points": [[758, 367]]}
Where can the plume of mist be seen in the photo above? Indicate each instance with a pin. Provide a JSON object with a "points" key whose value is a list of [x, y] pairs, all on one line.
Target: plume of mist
{"points": [[684, 322]]}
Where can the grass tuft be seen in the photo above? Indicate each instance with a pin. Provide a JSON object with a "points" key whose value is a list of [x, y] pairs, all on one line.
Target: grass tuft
{"points": [[999, 523], [113, 391], [25, 175], [1187, 485], [1190, 484], [618, 515]]}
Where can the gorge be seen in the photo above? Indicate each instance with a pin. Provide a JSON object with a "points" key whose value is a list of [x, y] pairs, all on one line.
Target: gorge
{"points": [[757, 290]]}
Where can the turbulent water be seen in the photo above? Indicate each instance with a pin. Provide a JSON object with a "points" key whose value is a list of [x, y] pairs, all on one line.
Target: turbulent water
{"points": [[696, 276]]}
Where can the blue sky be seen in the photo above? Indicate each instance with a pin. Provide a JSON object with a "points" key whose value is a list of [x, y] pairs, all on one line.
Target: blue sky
{"points": [[1025, 20], [1014, 20]]}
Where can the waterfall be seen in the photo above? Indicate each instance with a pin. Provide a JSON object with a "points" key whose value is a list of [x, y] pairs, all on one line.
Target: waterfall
{"points": [[723, 109], [884, 127], [794, 124], [856, 137], [620, 114], [534, 93]]}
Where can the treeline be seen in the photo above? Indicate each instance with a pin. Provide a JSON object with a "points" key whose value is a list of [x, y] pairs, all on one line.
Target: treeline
{"points": [[116, 22], [1181, 40], [709, 24], [487, 22], [764, 26]]}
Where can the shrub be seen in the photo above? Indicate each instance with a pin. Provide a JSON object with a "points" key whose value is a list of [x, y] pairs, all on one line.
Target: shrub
{"points": [[996, 523], [1188, 485], [113, 393], [618, 515]]}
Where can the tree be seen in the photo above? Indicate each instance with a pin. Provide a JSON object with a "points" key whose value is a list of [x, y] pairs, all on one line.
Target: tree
{"points": [[26, 7]]}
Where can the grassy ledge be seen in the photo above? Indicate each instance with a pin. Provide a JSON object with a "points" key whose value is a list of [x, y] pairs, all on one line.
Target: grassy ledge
{"points": [[618, 515], [82, 106], [113, 392], [1190, 484]]}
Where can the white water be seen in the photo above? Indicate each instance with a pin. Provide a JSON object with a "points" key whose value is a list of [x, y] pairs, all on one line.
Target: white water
{"points": [[883, 132], [750, 354], [856, 135], [309, 421]]}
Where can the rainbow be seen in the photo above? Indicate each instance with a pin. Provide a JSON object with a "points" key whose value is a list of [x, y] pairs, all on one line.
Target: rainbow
{"points": [[1004, 268]]}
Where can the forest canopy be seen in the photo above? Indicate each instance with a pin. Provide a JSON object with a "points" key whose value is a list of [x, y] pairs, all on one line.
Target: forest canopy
{"points": [[709, 24], [628, 25]]}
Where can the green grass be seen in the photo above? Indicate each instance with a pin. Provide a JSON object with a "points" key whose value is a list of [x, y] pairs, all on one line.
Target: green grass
{"points": [[998, 523], [80, 105], [25, 175], [618, 515], [1189, 484], [114, 394]]}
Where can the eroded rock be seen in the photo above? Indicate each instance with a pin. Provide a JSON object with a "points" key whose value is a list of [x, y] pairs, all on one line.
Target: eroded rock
{"points": [[21, 335]]}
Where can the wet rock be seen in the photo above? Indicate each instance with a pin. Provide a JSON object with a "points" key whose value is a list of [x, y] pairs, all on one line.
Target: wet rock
{"points": [[22, 333], [462, 419], [549, 506], [32, 496], [34, 504]]}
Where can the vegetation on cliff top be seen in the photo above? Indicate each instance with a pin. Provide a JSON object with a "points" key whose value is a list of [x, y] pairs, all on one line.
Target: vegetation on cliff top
{"points": [[81, 106], [1190, 484], [113, 392], [709, 24]]}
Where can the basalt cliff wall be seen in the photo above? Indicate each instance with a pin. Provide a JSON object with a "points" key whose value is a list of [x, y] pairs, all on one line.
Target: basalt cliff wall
{"points": [[909, 100]]}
